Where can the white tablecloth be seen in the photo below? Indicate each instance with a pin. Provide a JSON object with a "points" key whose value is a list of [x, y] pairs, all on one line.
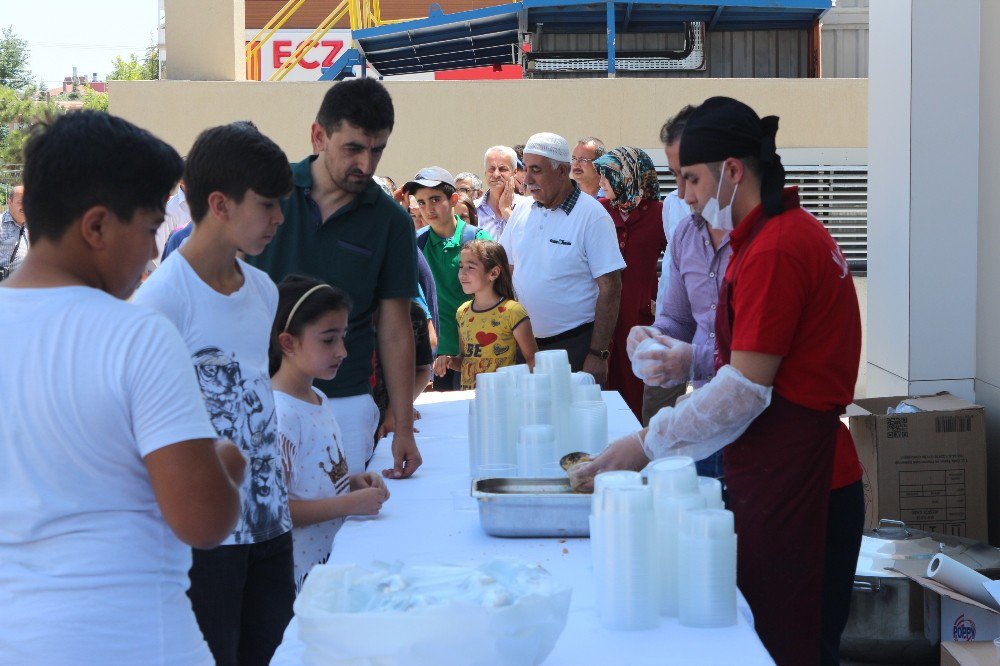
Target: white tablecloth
{"points": [[431, 519]]}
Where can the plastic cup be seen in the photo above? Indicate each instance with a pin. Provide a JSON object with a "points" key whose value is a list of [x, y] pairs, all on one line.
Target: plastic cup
{"points": [[612, 479], [711, 490], [708, 523], [586, 393], [553, 470], [502, 471], [582, 379], [673, 476]]}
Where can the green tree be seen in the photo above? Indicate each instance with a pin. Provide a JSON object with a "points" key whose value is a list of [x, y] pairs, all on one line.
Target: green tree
{"points": [[14, 53], [18, 113], [135, 68], [95, 101]]}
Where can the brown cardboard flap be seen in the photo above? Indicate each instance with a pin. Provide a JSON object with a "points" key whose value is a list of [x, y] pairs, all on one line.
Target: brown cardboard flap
{"points": [[916, 572], [941, 403]]}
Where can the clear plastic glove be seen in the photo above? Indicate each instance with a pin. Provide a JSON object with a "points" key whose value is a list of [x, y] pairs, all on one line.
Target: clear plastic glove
{"points": [[625, 453], [662, 361], [637, 335], [712, 417]]}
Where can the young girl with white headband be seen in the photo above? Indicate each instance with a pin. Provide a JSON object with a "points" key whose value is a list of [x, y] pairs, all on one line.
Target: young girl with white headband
{"points": [[307, 343]]}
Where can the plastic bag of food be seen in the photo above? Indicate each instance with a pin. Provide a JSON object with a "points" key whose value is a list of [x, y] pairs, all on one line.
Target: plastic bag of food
{"points": [[501, 613]]}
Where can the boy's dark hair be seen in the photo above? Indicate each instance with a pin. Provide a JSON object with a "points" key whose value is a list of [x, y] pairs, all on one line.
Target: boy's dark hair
{"points": [[674, 127], [89, 158], [364, 103], [233, 159], [321, 301]]}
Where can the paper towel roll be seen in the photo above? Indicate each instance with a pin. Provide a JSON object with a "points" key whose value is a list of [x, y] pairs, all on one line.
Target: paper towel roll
{"points": [[960, 578]]}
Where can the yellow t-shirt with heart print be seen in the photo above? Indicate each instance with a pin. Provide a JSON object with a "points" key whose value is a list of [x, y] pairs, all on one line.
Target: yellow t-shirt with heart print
{"points": [[487, 338]]}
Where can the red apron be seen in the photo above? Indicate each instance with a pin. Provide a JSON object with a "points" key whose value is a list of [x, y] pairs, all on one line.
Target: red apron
{"points": [[778, 474]]}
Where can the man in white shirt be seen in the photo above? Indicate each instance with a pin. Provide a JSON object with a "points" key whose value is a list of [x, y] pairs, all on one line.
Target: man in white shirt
{"points": [[567, 265], [104, 489]]}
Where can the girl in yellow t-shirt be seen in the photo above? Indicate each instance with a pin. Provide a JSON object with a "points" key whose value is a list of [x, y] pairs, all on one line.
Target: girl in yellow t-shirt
{"points": [[492, 326]]}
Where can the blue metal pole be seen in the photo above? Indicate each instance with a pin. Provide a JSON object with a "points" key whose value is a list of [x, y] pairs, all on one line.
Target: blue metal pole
{"points": [[611, 39]]}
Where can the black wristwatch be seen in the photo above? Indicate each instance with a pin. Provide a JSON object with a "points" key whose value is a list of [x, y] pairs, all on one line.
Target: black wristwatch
{"points": [[602, 354]]}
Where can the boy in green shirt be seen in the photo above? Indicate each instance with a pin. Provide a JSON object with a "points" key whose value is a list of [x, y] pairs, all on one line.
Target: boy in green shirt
{"points": [[441, 242]]}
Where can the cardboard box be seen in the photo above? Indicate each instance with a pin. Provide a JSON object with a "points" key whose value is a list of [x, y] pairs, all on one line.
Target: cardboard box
{"points": [[963, 620], [927, 469], [969, 654]]}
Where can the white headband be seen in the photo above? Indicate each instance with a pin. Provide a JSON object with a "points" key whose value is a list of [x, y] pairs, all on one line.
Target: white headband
{"points": [[288, 322]]}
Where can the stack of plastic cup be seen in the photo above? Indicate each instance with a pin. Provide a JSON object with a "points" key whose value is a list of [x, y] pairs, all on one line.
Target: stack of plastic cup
{"points": [[707, 569], [555, 364], [674, 484], [711, 490], [626, 596], [602, 481], [536, 399], [536, 445], [586, 393], [493, 439], [582, 378], [515, 372], [589, 426]]}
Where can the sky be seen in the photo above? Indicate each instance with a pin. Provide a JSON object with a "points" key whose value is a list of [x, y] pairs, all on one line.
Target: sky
{"points": [[63, 34]]}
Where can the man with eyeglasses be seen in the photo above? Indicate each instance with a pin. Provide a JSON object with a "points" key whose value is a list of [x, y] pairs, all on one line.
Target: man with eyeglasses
{"points": [[469, 184], [587, 150]]}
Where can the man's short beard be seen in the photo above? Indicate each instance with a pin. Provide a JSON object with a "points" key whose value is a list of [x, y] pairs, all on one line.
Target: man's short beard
{"points": [[354, 187]]}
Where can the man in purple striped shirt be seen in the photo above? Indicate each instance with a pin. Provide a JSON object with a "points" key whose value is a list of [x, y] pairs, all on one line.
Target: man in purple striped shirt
{"points": [[694, 266]]}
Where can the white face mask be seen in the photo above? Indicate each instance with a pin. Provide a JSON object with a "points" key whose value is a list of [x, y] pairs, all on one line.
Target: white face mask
{"points": [[720, 218]]}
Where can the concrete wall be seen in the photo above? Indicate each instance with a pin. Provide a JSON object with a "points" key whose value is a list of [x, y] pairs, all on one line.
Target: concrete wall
{"points": [[205, 39], [988, 301], [451, 123]]}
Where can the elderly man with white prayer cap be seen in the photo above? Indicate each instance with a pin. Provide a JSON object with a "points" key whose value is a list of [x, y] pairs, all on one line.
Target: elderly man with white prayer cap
{"points": [[567, 265]]}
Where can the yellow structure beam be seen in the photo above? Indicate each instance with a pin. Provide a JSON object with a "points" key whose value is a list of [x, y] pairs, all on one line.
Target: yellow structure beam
{"points": [[313, 40]]}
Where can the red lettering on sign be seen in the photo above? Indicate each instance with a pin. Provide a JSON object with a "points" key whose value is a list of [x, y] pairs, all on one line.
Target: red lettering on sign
{"points": [[308, 64], [336, 47], [282, 49]]}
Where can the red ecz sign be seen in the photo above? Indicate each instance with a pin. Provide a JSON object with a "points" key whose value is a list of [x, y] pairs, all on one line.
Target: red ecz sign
{"points": [[322, 55]]}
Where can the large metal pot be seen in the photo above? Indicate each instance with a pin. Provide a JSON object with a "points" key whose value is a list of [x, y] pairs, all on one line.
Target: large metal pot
{"points": [[893, 620]]}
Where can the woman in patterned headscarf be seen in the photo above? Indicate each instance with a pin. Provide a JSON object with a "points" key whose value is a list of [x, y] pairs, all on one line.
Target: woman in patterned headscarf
{"points": [[630, 183]]}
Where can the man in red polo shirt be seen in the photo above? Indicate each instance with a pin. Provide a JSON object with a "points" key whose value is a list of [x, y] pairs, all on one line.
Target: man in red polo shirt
{"points": [[788, 336]]}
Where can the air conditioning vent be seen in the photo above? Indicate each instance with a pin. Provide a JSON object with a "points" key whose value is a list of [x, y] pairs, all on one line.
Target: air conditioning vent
{"points": [[837, 195]]}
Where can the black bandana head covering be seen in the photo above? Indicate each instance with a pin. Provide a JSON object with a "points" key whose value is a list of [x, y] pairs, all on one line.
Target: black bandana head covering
{"points": [[723, 127], [632, 177]]}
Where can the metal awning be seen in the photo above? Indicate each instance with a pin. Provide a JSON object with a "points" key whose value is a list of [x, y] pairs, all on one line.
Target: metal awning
{"points": [[490, 36]]}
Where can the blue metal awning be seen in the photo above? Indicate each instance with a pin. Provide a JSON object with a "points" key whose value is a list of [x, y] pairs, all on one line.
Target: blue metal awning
{"points": [[489, 36]]}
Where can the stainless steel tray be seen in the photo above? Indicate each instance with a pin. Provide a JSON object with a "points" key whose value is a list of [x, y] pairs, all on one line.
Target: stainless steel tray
{"points": [[532, 508]]}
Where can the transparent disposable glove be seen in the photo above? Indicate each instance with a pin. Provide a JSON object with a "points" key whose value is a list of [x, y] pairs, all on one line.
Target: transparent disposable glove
{"points": [[712, 417], [662, 361], [624, 453], [637, 335]]}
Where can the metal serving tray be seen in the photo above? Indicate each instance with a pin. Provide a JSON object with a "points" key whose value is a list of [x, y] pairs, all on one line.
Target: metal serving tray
{"points": [[526, 507]]}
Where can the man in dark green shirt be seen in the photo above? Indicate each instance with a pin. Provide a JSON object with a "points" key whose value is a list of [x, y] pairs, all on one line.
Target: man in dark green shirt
{"points": [[342, 228]]}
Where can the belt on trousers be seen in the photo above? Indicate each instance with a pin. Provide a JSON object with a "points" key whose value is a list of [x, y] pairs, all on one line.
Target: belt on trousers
{"points": [[566, 335]]}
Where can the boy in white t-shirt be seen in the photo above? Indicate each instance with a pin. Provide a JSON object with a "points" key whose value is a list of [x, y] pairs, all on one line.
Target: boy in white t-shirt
{"points": [[234, 176], [101, 486]]}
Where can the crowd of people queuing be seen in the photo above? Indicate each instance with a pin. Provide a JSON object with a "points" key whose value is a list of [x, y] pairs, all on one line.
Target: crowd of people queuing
{"points": [[174, 466]]}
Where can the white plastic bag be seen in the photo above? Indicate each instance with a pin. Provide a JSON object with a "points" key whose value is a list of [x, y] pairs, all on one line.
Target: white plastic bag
{"points": [[498, 614]]}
